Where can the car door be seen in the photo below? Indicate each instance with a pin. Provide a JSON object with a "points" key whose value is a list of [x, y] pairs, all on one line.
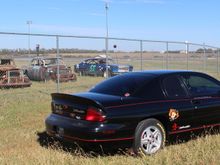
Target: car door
{"points": [[83, 67], [93, 66], [178, 105], [205, 98], [33, 72]]}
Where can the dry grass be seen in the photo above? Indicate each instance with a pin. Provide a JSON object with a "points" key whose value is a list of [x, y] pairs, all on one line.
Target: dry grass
{"points": [[22, 115]]}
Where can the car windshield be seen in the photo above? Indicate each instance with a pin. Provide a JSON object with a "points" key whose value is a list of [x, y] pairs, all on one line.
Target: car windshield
{"points": [[99, 61], [122, 85]]}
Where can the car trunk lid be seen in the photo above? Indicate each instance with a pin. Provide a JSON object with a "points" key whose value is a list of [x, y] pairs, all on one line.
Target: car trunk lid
{"points": [[77, 107]]}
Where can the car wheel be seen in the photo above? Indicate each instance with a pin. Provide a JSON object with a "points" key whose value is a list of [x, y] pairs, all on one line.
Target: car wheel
{"points": [[150, 137]]}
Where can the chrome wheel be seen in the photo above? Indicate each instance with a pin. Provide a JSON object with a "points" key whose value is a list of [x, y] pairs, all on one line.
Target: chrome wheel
{"points": [[151, 140]]}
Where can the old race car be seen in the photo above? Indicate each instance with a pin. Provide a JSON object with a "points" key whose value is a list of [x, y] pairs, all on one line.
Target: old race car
{"points": [[145, 108], [44, 69], [97, 67], [12, 76]]}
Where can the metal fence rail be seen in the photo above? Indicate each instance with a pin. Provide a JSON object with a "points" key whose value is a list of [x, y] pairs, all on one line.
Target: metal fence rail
{"points": [[142, 54]]}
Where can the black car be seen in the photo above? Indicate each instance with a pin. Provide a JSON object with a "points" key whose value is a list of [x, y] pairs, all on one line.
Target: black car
{"points": [[143, 107]]}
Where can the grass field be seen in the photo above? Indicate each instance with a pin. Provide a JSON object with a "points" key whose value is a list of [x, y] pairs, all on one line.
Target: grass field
{"points": [[22, 115]]}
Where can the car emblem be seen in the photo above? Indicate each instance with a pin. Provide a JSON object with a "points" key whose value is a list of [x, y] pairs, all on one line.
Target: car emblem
{"points": [[173, 114]]}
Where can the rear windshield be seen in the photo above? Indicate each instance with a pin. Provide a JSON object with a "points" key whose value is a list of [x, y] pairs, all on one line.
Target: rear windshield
{"points": [[122, 85]]}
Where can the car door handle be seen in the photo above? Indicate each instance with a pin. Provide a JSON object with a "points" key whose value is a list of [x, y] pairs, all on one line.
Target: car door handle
{"points": [[195, 102]]}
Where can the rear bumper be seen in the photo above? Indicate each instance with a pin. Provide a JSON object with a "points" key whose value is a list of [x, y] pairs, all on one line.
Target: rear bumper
{"points": [[69, 129], [65, 77]]}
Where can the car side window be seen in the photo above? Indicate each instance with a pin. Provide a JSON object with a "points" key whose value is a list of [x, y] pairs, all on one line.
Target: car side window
{"points": [[199, 85], [151, 91], [173, 87]]}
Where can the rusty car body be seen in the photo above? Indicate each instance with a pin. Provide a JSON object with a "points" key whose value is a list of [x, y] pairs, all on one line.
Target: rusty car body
{"points": [[46, 68], [11, 76]]}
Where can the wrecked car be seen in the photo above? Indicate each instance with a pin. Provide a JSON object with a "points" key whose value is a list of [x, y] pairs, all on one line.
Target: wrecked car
{"points": [[11, 76], [45, 69], [97, 67]]}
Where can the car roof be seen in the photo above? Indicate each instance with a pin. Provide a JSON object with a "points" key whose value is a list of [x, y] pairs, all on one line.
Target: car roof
{"points": [[46, 58], [157, 73], [100, 58]]}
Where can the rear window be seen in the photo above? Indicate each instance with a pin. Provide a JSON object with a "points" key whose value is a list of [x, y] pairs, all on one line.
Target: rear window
{"points": [[122, 85]]}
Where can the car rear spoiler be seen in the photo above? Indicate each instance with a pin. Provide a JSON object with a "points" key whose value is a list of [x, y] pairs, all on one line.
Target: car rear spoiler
{"points": [[75, 99]]}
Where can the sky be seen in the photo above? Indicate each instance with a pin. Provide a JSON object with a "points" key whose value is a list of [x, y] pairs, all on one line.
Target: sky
{"points": [[173, 20]]}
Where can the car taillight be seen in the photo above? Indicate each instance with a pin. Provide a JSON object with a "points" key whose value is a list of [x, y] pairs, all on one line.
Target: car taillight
{"points": [[94, 114]]}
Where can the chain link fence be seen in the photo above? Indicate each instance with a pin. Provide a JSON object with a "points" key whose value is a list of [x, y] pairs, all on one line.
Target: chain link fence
{"points": [[141, 54]]}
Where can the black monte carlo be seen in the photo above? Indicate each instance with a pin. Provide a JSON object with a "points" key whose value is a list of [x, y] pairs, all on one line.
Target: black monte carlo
{"points": [[145, 108]]}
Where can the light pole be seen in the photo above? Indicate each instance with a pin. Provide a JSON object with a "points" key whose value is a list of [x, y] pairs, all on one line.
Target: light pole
{"points": [[106, 40], [29, 31]]}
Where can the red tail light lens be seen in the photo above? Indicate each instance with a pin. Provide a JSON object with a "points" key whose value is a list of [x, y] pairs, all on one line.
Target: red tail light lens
{"points": [[94, 114]]}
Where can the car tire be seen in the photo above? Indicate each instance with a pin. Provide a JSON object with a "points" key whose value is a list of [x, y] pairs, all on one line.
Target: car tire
{"points": [[150, 137]]}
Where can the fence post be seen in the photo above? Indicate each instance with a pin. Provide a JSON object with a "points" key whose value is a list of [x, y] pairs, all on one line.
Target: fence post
{"points": [[167, 54], [141, 49], [187, 55], [58, 65], [9, 77], [218, 61], [204, 57]]}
